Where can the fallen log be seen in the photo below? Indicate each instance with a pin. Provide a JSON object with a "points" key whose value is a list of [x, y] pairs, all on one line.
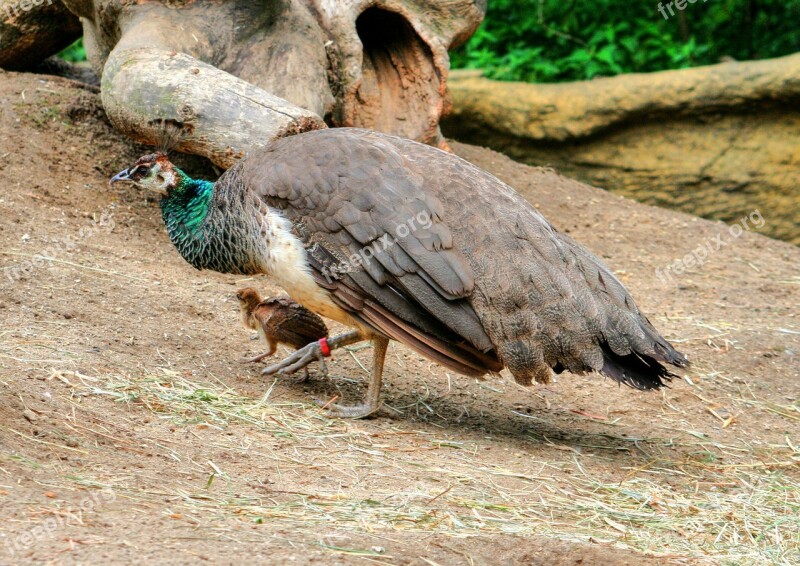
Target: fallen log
{"points": [[33, 30]]}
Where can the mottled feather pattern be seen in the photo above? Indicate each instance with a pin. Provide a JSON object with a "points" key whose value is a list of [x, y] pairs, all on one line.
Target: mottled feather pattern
{"points": [[288, 322], [415, 244], [489, 283]]}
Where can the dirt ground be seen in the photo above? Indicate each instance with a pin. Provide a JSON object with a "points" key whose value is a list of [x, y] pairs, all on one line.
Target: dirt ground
{"points": [[129, 432]]}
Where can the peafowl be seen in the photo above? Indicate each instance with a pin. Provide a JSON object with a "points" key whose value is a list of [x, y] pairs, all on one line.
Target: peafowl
{"points": [[279, 320], [402, 241]]}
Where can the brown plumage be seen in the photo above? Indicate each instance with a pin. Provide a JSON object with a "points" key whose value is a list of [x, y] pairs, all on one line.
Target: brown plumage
{"points": [[487, 283], [407, 242], [279, 320]]}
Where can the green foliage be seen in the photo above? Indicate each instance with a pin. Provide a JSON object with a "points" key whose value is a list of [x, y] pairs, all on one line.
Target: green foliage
{"points": [[557, 40], [74, 53]]}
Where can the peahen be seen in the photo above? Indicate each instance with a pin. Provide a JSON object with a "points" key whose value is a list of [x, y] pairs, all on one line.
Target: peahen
{"points": [[402, 241]]}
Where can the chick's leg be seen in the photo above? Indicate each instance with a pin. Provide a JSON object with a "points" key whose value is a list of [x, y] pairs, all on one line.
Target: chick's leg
{"points": [[268, 353]]}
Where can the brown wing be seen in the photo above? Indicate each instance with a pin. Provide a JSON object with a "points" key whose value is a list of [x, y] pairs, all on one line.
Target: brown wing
{"points": [[290, 323], [486, 279], [414, 285]]}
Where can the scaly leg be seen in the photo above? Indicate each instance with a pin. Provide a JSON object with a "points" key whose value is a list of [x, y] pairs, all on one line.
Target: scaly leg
{"points": [[373, 400], [260, 357], [313, 352]]}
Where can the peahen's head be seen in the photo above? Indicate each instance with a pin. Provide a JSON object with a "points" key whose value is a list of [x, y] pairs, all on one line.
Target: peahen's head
{"points": [[207, 235], [154, 172]]}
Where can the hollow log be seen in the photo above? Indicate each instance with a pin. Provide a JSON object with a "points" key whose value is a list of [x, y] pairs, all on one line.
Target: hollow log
{"points": [[232, 75], [379, 64]]}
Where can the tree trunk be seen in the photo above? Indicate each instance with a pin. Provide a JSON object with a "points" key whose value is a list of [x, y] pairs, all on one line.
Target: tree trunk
{"points": [[33, 30], [149, 94]]}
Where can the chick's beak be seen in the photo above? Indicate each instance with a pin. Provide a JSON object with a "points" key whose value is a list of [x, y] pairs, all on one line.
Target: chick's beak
{"points": [[121, 176]]}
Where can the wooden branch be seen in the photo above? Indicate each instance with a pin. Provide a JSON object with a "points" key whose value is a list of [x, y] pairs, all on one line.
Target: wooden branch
{"points": [[33, 30], [220, 116], [572, 111]]}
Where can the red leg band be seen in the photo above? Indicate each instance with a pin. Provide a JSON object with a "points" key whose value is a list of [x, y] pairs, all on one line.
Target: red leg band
{"points": [[324, 347]]}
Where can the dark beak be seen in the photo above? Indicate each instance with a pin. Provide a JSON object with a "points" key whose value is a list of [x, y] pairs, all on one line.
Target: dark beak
{"points": [[121, 176]]}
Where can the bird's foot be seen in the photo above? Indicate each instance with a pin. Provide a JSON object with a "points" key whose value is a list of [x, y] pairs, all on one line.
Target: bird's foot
{"points": [[349, 411], [299, 360], [256, 358], [305, 377], [373, 399]]}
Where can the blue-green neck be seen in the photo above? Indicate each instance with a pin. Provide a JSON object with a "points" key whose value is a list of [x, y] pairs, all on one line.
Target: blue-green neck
{"points": [[211, 227], [186, 205]]}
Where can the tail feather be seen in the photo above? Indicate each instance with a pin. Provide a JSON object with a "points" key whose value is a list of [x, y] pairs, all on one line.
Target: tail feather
{"points": [[641, 371]]}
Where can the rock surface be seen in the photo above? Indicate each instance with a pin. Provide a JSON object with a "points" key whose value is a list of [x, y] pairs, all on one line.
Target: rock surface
{"points": [[718, 141]]}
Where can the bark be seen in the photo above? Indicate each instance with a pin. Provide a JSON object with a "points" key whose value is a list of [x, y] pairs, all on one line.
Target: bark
{"points": [[33, 30], [379, 64], [232, 75], [216, 114]]}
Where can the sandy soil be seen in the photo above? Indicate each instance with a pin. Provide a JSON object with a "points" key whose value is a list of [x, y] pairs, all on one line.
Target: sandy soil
{"points": [[129, 432]]}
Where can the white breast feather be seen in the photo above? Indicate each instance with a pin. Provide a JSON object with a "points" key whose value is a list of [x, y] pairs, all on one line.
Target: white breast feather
{"points": [[286, 262]]}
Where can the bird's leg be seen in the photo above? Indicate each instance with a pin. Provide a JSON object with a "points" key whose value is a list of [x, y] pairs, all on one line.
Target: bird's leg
{"points": [[260, 357], [312, 352], [373, 400]]}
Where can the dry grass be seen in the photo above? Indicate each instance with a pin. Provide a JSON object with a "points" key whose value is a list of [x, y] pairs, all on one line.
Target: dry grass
{"points": [[685, 497]]}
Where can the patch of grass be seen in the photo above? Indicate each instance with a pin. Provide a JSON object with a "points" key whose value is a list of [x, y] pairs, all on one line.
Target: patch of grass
{"points": [[553, 40], [75, 53], [693, 499]]}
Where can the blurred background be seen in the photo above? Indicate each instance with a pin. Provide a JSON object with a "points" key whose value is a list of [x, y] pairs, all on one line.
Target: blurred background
{"points": [[555, 40]]}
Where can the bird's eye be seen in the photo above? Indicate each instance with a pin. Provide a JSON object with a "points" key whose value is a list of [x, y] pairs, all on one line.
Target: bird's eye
{"points": [[160, 178]]}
